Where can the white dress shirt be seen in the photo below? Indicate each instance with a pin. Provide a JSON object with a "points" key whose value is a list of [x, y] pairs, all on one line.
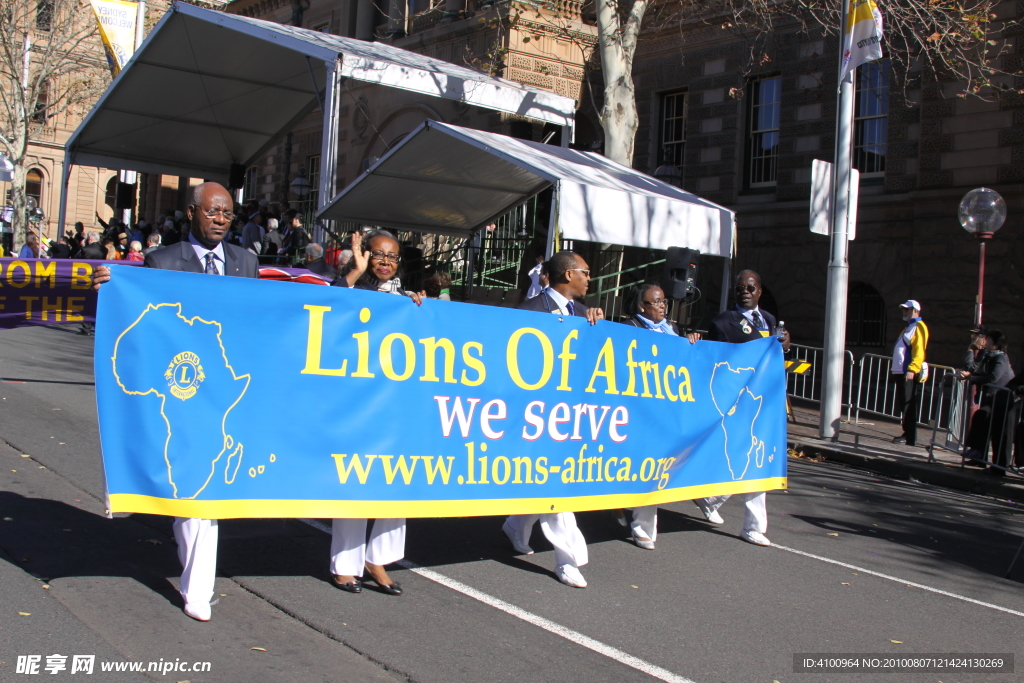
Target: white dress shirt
{"points": [[201, 252]]}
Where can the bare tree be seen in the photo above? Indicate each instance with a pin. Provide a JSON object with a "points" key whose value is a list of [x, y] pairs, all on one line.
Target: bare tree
{"points": [[51, 65]]}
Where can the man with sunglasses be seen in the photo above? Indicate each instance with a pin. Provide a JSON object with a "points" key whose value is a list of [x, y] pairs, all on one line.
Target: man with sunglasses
{"points": [[204, 251], [742, 323], [569, 278]]}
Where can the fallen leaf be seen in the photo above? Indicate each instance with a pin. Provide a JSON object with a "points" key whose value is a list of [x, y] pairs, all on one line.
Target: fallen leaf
{"points": [[46, 586], [898, 642], [934, 37], [223, 595], [846, 584], [832, 534], [263, 649], [26, 455], [25, 614], [634, 586], [8, 519]]}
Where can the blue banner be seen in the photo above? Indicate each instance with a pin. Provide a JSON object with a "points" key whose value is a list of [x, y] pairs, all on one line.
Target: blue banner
{"points": [[228, 397]]}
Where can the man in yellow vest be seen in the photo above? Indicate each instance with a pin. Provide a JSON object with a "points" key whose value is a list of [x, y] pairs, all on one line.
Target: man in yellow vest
{"points": [[909, 369]]}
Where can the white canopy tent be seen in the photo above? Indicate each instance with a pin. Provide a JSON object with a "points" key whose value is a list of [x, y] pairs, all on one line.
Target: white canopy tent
{"points": [[453, 181], [207, 90]]}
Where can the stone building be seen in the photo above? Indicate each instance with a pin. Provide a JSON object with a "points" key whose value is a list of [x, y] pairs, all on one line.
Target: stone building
{"points": [[91, 191], [745, 138]]}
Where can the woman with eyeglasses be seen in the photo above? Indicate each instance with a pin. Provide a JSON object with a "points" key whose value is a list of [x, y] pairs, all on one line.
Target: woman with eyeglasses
{"points": [[647, 308], [375, 266]]}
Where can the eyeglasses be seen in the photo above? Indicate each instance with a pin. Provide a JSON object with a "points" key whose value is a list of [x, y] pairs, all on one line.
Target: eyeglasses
{"points": [[656, 302], [210, 213], [585, 271], [381, 256], [746, 288]]}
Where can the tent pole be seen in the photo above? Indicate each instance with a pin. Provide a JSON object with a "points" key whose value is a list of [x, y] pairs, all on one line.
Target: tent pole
{"points": [[329, 146], [726, 285], [550, 249], [62, 212]]}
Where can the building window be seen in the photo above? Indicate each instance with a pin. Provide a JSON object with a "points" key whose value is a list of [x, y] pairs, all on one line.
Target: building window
{"points": [[765, 108], [870, 119], [865, 316], [34, 186], [313, 176], [110, 196], [251, 180], [44, 15], [39, 114], [673, 129]]}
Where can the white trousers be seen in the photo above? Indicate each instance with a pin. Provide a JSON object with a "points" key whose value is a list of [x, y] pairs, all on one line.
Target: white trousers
{"points": [[645, 522], [197, 551], [350, 550], [561, 531], [755, 518]]}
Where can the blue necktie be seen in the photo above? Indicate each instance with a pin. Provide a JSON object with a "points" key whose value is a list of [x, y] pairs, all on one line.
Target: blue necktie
{"points": [[758, 322], [211, 265], [569, 307]]}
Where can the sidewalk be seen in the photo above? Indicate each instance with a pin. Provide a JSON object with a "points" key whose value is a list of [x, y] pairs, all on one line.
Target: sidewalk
{"points": [[868, 445]]}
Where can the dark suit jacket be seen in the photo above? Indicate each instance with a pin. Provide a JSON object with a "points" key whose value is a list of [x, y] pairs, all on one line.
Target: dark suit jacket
{"points": [[321, 267], [635, 322], [94, 251], [543, 303], [727, 326], [238, 262]]}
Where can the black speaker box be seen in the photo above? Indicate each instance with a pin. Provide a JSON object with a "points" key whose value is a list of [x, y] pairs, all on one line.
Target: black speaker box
{"points": [[680, 274], [236, 176], [124, 197]]}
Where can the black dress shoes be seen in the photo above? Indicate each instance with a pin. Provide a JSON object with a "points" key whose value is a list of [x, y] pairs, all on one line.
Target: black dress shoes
{"points": [[349, 586], [390, 588], [900, 440]]}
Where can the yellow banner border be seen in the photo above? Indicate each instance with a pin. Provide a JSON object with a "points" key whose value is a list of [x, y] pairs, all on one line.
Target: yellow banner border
{"points": [[384, 509]]}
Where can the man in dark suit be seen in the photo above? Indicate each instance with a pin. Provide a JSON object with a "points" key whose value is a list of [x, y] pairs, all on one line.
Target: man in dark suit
{"points": [[204, 251], [569, 277], [742, 323]]}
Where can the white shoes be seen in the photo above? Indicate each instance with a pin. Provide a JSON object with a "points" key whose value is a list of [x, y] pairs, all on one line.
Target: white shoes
{"points": [[645, 543], [198, 610], [755, 537], [710, 515], [519, 546], [570, 576]]}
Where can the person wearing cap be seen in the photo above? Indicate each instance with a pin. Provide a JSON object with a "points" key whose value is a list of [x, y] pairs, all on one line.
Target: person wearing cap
{"points": [[909, 369]]}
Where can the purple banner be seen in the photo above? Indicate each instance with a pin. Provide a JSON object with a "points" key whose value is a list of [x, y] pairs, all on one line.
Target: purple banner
{"points": [[48, 291], [59, 291]]}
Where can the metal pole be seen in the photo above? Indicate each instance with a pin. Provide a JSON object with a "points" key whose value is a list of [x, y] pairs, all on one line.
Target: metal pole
{"points": [[62, 211], [140, 22], [981, 283], [329, 146], [838, 267]]}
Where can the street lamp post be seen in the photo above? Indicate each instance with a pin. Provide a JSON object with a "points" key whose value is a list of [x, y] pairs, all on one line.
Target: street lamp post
{"points": [[982, 212]]}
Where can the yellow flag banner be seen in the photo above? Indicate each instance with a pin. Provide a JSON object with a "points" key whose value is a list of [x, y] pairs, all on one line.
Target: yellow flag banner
{"points": [[117, 29], [862, 41]]}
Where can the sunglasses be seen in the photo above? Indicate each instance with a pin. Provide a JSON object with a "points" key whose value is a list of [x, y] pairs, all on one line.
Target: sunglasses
{"points": [[746, 288]]}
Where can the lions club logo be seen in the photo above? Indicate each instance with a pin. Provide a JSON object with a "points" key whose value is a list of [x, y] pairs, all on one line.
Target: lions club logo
{"points": [[184, 375]]}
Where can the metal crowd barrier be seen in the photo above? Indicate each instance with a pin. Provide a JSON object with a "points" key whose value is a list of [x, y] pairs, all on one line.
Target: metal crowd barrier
{"points": [[876, 392], [994, 435], [807, 386]]}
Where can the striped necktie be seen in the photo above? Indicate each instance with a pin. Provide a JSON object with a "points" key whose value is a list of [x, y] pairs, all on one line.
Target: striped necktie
{"points": [[758, 321], [569, 307], [211, 264]]}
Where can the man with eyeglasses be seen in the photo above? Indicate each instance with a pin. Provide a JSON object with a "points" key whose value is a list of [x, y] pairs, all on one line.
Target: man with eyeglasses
{"points": [[569, 278], [742, 323], [204, 251]]}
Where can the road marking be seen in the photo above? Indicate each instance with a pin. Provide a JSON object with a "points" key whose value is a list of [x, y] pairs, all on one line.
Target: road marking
{"points": [[546, 624], [899, 580]]}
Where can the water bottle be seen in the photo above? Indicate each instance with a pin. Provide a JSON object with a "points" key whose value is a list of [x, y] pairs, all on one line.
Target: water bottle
{"points": [[780, 329]]}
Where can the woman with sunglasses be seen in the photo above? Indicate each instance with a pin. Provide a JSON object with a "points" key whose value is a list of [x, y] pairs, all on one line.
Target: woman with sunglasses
{"points": [[646, 307], [375, 265]]}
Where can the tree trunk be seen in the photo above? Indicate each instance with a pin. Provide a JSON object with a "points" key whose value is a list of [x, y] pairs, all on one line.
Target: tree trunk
{"points": [[19, 222], [617, 43]]}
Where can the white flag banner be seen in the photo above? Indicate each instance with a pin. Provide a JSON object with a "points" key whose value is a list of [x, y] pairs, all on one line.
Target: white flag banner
{"points": [[862, 41]]}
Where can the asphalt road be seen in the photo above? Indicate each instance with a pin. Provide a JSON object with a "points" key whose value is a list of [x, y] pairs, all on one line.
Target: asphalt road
{"points": [[887, 567]]}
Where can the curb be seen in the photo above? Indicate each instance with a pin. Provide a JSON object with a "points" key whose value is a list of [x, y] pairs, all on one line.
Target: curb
{"points": [[928, 473]]}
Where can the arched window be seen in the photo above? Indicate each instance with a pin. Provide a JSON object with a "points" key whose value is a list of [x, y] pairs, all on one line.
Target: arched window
{"points": [[110, 198], [767, 302], [34, 185], [865, 316]]}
